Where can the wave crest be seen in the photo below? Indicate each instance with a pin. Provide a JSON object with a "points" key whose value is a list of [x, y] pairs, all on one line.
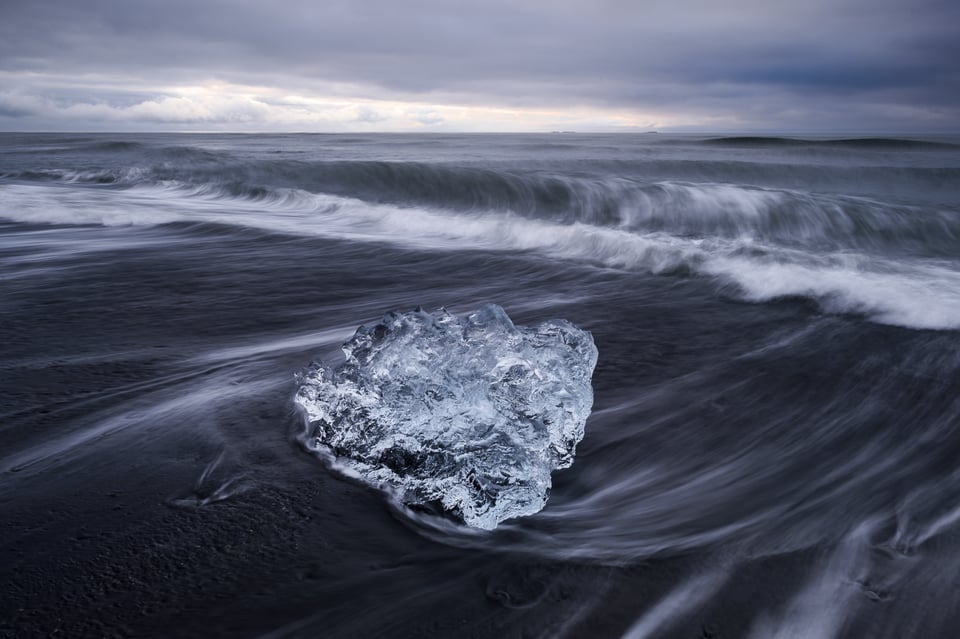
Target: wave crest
{"points": [[919, 292]]}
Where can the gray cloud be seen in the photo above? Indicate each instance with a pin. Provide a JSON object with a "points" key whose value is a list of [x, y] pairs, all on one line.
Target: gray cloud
{"points": [[13, 111], [844, 63]]}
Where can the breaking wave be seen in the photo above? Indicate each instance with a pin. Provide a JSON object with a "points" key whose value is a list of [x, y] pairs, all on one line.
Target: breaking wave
{"points": [[789, 217], [889, 263]]}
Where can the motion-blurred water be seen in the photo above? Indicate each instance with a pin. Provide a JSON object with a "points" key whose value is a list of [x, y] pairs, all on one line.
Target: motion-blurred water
{"points": [[777, 321]]}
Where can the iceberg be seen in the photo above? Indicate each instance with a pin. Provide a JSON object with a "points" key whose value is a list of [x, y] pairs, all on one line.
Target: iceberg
{"points": [[469, 414]]}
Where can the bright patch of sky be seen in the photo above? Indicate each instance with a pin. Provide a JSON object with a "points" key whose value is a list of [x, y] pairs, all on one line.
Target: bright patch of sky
{"points": [[498, 65]]}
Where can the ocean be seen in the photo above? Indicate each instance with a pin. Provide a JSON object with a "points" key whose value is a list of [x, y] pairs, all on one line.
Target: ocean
{"points": [[774, 442]]}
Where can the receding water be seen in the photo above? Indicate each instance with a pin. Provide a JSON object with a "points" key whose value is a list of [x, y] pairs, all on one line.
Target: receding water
{"points": [[774, 439]]}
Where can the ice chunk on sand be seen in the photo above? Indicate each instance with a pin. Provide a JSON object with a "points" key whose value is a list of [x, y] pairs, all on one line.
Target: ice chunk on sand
{"points": [[470, 413]]}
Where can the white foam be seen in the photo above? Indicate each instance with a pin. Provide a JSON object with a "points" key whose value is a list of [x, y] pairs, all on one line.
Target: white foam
{"points": [[823, 607], [676, 605], [917, 293]]}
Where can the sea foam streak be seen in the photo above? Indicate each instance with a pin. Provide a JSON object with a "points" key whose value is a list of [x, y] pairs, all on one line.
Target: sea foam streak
{"points": [[917, 292]]}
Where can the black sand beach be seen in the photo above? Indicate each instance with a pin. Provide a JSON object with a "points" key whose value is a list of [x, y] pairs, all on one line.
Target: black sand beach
{"points": [[773, 444]]}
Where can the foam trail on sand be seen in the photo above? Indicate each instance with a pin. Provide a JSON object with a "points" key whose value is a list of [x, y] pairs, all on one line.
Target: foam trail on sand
{"points": [[675, 605], [823, 606]]}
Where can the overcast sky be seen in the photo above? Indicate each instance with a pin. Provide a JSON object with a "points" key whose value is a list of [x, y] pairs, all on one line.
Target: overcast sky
{"points": [[498, 65]]}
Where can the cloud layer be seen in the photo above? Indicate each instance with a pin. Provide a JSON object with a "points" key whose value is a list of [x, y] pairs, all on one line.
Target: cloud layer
{"points": [[878, 65]]}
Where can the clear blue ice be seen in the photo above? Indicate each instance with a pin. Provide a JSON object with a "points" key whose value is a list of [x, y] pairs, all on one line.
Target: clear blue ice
{"points": [[470, 413]]}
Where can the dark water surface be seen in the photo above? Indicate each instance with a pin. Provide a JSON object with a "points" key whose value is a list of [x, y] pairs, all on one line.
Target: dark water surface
{"points": [[775, 439]]}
